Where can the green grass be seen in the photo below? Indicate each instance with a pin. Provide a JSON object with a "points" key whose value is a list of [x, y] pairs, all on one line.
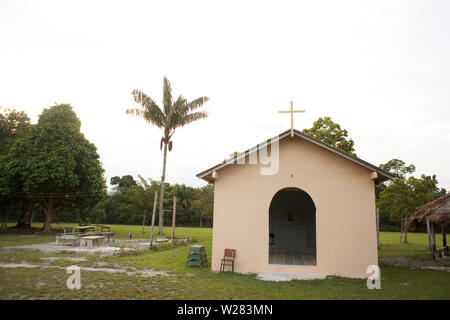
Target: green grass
{"points": [[200, 283], [417, 246]]}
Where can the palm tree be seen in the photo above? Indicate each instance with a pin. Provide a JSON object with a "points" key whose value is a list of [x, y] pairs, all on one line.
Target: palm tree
{"points": [[174, 114]]}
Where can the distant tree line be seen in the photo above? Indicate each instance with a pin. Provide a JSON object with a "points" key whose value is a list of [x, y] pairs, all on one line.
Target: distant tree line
{"points": [[131, 201]]}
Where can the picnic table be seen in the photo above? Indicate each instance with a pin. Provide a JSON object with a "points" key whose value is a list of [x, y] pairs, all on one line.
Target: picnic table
{"points": [[74, 237], [91, 241], [85, 228]]}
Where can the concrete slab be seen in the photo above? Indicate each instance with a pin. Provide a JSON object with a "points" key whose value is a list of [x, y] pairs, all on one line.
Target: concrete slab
{"points": [[277, 277]]}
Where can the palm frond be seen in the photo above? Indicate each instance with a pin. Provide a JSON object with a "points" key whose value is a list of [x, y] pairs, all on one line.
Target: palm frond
{"points": [[191, 117], [175, 112], [134, 111], [150, 111], [167, 96], [197, 103]]}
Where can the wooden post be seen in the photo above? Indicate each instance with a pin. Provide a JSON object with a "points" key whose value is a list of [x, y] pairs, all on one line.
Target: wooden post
{"points": [[378, 227], [429, 234], [143, 221], [153, 218], [433, 242], [444, 237], [174, 214]]}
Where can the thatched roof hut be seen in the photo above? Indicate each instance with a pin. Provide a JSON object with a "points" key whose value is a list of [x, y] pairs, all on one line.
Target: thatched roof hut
{"points": [[437, 211]]}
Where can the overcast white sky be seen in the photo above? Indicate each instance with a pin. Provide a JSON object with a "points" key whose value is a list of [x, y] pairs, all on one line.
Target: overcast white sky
{"points": [[381, 69]]}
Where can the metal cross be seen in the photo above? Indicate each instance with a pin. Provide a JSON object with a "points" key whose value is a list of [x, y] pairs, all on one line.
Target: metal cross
{"points": [[292, 111]]}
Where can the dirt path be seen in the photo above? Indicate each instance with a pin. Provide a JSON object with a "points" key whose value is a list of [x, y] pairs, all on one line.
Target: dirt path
{"points": [[416, 264], [131, 271]]}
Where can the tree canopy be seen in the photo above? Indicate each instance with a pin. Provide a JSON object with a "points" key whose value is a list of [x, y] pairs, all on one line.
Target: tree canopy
{"points": [[404, 194], [331, 133], [397, 168], [56, 164], [13, 124]]}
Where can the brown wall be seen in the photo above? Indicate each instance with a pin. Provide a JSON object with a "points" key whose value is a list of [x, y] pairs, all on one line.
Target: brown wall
{"points": [[343, 194]]}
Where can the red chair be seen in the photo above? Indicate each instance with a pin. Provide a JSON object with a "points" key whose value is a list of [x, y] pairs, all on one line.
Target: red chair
{"points": [[228, 259]]}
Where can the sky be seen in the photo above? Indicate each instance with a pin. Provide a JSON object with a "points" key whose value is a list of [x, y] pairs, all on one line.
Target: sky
{"points": [[381, 69]]}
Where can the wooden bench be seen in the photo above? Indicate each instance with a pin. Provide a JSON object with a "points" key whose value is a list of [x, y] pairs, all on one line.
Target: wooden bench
{"points": [[74, 239], [442, 252], [91, 241], [68, 235]]}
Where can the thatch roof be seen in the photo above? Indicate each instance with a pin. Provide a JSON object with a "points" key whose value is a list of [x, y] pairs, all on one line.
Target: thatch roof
{"points": [[438, 211]]}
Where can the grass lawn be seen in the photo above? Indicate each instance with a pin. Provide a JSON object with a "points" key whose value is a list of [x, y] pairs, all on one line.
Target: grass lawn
{"points": [[195, 283]]}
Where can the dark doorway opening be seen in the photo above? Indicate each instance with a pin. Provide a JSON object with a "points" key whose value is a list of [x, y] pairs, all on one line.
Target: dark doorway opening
{"points": [[292, 228]]}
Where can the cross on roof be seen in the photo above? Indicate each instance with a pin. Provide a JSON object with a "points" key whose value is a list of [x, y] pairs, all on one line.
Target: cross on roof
{"points": [[292, 111]]}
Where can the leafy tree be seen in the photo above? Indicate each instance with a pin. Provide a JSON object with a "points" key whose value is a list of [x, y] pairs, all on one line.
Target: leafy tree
{"points": [[56, 164], [424, 190], [130, 201], [396, 198], [13, 124], [124, 182], [97, 215], [329, 132], [172, 115], [403, 196], [205, 203], [398, 168], [138, 200]]}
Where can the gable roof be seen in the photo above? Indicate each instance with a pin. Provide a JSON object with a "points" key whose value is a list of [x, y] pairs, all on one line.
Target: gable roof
{"points": [[382, 175]]}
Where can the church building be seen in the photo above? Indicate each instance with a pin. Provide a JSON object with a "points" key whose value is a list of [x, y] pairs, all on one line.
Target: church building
{"points": [[293, 204]]}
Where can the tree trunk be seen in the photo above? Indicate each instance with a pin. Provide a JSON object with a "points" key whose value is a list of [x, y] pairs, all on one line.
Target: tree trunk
{"points": [[48, 214], [32, 214], [4, 219], [153, 218], [23, 212], [200, 219], [163, 179]]}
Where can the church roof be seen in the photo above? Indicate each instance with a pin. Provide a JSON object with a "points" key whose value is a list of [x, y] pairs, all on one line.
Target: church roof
{"points": [[382, 175]]}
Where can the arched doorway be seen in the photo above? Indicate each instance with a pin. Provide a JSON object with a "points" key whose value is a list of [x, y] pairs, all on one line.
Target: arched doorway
{"points": [[292, 228]]}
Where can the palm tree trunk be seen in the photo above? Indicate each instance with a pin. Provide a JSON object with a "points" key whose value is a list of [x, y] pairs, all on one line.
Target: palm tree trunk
{"points": [[161, 196], [153, 218]]}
